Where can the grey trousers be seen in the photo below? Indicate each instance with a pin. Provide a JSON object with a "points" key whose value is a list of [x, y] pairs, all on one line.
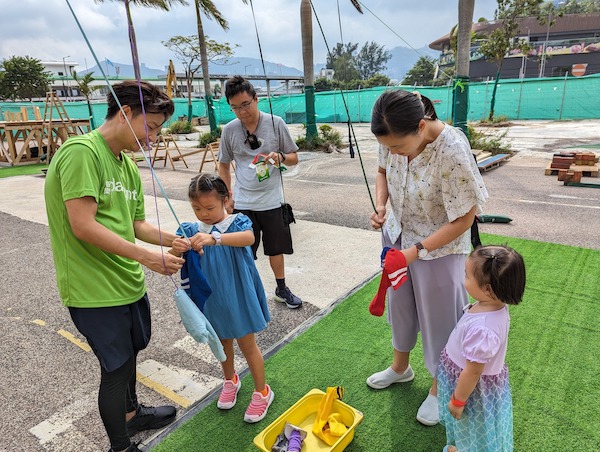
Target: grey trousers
{"points": [[431, 301]]}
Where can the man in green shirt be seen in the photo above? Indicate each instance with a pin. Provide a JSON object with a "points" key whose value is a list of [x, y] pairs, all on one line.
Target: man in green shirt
{"points": [[95, 207]]}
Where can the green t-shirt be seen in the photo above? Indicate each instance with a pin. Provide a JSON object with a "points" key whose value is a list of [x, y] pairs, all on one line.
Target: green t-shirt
{"points": [[87, 276]]}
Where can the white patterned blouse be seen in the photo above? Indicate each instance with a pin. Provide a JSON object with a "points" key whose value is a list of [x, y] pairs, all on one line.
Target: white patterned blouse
{"points": [[438, 186]]}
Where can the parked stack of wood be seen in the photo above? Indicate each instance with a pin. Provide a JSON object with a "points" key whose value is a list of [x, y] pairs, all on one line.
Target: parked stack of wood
{"points": [[586, 159], [564, 163]]}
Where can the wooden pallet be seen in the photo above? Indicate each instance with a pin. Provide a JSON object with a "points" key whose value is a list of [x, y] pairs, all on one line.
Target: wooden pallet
{"points": [[492, 162], [586, 170]]}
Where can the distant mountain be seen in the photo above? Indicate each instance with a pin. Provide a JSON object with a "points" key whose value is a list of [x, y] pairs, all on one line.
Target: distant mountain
{"points": [[403, 59], [112, 69], [251, 66], [235, 66]]}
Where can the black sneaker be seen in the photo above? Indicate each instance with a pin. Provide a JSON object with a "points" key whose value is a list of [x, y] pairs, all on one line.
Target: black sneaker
{"points": [[286, 296], [149, 418], [132, 448]]}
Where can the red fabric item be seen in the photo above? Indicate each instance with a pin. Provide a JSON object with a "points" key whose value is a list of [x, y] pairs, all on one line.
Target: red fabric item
{"points": [[395, 273]]}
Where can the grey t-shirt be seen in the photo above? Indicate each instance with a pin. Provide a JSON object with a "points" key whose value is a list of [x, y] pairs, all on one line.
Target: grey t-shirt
{"points": [[248, 192]]}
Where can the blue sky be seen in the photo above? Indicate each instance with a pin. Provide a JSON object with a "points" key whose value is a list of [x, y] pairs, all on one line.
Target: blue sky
{"points": [[46, 29]]}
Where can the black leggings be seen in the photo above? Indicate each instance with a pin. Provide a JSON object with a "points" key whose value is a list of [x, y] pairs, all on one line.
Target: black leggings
{"points": [[116, 397]]}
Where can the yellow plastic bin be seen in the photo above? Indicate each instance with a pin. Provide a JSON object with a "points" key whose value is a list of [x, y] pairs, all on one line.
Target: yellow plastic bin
{"points": [[302, 414]]}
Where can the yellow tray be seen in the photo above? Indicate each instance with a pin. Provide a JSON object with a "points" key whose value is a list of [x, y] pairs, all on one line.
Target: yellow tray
{"points": [[302, 414]]}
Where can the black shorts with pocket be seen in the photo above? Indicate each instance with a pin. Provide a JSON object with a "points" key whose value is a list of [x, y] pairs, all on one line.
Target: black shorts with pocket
{"points": [[115, 333], [276, 234]]}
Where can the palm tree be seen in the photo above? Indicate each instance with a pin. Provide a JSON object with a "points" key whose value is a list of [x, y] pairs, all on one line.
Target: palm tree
{"points": [[461, 91], [84, 87], [211, 12], [307, 58], [160, 4]]}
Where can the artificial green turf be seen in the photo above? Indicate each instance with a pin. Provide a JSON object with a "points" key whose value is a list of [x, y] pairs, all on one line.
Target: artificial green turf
{"points": [[21, 170], [552, 359]]}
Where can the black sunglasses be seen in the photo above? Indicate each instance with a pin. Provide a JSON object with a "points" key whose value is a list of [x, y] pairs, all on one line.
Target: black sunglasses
{"points": [[252, 140]]}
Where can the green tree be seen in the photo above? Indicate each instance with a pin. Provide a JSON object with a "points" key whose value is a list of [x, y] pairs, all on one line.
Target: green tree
{"points": [[376, 80], [23, 78], [372, 59], [160, 4], [342, 61], [85, 87], [579, 6], [353, 67], [211, 12], [187, 50], [500, 40], [460, 95], [421, 73], [307, 59], [322, 84]]}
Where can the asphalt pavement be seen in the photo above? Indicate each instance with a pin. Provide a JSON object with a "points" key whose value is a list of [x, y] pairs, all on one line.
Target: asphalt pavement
{"points": [[48, 376]]}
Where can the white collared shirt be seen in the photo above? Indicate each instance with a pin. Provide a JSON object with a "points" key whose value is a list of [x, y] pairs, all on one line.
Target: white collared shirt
{"points": [[438, 186]]}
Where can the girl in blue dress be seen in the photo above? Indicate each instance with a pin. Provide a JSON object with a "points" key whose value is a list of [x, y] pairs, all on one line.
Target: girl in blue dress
{"points": [[221, 278], [475, 402]]}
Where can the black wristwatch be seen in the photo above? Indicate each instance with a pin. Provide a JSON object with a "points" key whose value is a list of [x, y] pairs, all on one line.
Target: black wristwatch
{"points": [[421, 251], [282, 157]]}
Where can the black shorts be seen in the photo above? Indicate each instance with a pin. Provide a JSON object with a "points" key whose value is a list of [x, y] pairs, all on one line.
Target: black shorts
{"points": [[276, 235], [116, 333]]}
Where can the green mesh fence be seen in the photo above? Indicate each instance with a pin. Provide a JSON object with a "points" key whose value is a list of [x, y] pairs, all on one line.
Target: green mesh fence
{"points": [[547, 98]]}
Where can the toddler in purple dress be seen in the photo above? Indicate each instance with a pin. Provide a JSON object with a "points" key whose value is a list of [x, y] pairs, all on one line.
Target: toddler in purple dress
{"points": [[475, 402]]}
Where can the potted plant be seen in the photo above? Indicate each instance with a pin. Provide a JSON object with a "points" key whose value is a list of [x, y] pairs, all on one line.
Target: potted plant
{"points": [[181, 130]]}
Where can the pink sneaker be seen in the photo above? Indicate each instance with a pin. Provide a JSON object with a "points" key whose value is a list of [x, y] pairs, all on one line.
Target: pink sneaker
{"points": [[229, 393], [259, 406]]}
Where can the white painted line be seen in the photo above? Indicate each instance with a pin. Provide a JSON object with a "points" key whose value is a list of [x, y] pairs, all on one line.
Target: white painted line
{"points": [[322, 183], [73, 439], [528, 201], [182, 386], [579, 206], [61, 421], [203, 353], [573, 197]]}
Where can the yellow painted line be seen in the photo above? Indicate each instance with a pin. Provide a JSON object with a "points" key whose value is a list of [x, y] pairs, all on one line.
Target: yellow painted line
{"points": [[85, 347], [39, 322], [162, 390]]}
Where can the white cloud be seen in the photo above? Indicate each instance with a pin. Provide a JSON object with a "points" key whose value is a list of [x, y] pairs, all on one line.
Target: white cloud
{"points": [[47, 30]]}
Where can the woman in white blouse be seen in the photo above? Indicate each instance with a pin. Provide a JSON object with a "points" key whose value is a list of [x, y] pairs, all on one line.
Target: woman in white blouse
{"points": [[430, 178]]}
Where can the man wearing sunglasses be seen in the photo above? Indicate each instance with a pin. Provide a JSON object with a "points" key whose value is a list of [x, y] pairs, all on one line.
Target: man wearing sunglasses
{"points": [[257, 191]]}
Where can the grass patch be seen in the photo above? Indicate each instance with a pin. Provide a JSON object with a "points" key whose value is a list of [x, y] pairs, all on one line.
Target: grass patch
{"points": [[490, 143], [22, 170], [327, 139], [551, 358]]}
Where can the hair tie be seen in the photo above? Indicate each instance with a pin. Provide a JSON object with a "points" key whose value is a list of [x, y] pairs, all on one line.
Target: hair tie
{"points": [[418, 94], [492, 257]]}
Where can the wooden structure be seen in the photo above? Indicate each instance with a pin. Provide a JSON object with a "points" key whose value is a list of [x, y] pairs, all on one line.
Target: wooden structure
{"points": [[165, 144], [584, 162], [24, 142], [213, 150], [22, 115], [492, 162], [31, 141]]}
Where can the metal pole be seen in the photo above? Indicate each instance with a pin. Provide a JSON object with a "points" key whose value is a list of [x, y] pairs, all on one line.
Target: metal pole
{"points": [[519, 104], [335, 118], [448, 109], [562, 102], [485, 97], [543, 62], [65, 77], [358, 103]]}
